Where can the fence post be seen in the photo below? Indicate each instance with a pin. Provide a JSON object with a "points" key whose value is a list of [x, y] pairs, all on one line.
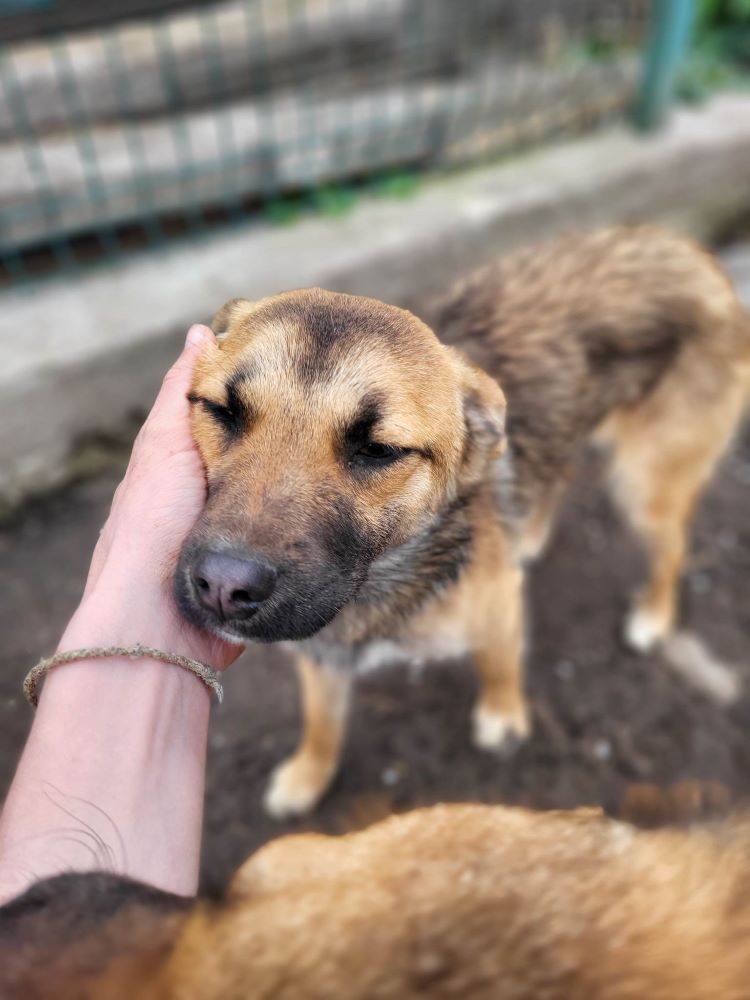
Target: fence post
{"points": [[669, 33]]}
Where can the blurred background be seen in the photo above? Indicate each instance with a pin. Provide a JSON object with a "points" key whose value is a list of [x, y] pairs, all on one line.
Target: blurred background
{"points": [[130, 133], [159, 158]]}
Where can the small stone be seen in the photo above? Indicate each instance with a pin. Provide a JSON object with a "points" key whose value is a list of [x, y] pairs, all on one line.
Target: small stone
{"points": [[565, 670], [741, 472], [390, 776], [700, 583], [602, 749], [727, 540]]}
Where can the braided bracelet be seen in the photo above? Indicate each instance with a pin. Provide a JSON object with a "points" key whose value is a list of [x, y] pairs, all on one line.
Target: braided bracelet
{"points": [[204, 673]]}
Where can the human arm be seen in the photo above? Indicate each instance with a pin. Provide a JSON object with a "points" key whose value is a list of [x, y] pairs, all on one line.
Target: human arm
{"points": [[112, 775]]}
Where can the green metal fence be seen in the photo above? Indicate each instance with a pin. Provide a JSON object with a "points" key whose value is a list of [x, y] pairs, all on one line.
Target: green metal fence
{"points": [[135, 132]]}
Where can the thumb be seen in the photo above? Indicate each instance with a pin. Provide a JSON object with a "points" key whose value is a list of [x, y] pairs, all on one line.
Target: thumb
{"points": [[176, 383], [198, 336]]}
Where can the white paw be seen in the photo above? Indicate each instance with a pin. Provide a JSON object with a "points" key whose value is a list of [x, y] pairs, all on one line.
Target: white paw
{"points": [[494, 731], [294, 789], [644, 630]]}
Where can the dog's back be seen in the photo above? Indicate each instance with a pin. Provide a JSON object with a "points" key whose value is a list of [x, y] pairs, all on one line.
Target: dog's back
{"points": [[589, 323], [630, 335], [470, 901]]}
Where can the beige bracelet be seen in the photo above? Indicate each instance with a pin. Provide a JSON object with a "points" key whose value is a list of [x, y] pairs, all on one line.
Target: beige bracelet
{"points": [[205, 673]]}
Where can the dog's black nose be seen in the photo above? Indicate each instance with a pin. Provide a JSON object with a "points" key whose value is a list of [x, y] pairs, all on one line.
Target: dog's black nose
{"points": [[231, 585]]}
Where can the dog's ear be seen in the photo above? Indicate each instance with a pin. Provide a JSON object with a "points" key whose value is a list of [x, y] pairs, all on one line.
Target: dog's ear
{"points": [[228, 313], [484, 419]]}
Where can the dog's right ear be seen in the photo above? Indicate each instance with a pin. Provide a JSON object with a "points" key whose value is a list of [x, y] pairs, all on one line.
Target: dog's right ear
{"points": [[228, 314], [484, 409]]}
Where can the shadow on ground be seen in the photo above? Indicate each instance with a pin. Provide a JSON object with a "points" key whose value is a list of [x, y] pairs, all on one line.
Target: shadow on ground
{"points": [[603, 718]]}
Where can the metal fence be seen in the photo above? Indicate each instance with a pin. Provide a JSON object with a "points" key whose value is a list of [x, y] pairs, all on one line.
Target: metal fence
{"points": [[134, 132]]}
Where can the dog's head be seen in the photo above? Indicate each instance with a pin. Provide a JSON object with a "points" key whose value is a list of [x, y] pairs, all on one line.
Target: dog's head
{"points": [[332, 428]]}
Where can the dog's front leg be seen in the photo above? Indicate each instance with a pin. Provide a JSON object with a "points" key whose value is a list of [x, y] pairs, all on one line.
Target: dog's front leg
{"points": [[299, 782], [500, 719]]}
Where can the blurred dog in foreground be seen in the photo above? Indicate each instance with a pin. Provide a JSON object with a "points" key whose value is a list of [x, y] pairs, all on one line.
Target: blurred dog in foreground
{"points": [[368, 499], [470, 901]]}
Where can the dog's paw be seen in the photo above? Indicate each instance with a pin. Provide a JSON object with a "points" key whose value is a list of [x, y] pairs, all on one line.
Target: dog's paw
{"points": [[644, 630], [498, 732], [295, 788]]}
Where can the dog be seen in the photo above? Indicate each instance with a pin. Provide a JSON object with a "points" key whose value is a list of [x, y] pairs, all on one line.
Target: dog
{"points": [[368, 499], [472, 901]]}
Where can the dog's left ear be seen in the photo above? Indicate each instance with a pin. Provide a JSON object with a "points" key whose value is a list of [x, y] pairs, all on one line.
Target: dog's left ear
{"points": [[484, 409], [230, 312]]}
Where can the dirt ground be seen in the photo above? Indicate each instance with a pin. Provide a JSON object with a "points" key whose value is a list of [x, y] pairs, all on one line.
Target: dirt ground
{"points": [[603, 717]]}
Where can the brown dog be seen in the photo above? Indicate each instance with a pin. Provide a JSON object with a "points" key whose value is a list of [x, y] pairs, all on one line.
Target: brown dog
{"points": [[367, 499], [469, 901]]}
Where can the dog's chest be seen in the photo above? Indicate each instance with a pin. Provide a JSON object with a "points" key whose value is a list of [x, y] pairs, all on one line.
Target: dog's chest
{"points": [[417, 648]]}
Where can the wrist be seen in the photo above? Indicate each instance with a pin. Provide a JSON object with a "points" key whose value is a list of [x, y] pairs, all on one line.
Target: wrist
{"points": [[115, 614], [155, 694], [117, 748], [103, 619]]}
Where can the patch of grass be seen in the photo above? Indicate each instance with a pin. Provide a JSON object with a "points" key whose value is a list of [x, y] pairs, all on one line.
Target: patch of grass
{"points": [[283, 211], [397, 184], [584, 52], [337, 200], [333, 200]]}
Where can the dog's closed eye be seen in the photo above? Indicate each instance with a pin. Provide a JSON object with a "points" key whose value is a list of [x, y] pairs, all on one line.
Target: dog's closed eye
{"points": [[231, 416], [374, 453], [361, 451]]}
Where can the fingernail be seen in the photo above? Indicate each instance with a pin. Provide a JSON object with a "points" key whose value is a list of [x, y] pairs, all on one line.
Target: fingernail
{"points": [[195, 335]]}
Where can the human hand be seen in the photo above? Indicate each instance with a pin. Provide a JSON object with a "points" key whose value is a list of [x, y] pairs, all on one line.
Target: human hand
{"points": [[128, 596]]}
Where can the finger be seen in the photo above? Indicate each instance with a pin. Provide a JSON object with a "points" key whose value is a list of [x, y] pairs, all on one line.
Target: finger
{"points": [[176, 383], [171, 398], [170, 412]]}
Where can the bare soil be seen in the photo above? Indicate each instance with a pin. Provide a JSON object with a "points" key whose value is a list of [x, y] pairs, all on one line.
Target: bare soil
{"points": [[603, 717]]}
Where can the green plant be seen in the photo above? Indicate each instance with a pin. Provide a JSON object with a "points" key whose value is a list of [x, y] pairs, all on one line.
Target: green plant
{"points": [[720, 56], [396, 184], [333, 199]]}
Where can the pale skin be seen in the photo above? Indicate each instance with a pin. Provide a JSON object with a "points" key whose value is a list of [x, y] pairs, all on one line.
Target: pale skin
{"points": [[112, 775]]}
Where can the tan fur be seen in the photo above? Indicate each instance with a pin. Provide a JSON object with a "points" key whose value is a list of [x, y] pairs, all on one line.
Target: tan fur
{"points": [[470, 901], [664, 453], [630, 337], [325, 696], [486, 606], [626, 295]]}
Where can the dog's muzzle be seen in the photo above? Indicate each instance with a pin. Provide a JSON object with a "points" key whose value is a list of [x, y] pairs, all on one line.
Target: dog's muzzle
{"points": [[230, 585]]}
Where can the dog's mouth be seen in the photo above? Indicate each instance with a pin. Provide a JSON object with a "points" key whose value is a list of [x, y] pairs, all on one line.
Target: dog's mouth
{"points": [[231, 631]]}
